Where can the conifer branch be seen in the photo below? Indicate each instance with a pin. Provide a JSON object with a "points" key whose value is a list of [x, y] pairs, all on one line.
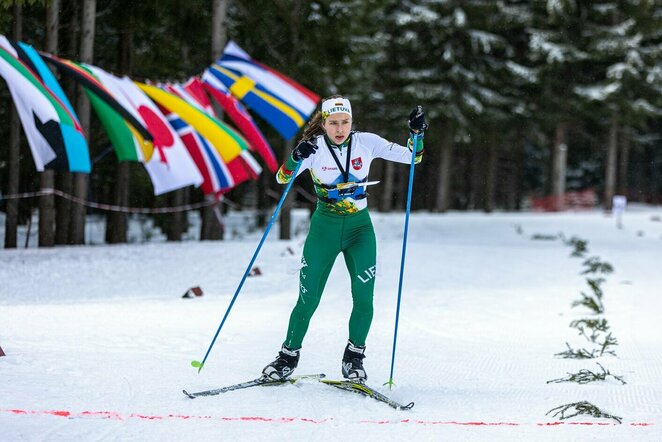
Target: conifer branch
{"points": [[585, 376], [590, 302], [579, 408], [571, 353], [580, 246], [595, 286], [594, 265], [609, 341], [596, 326]]}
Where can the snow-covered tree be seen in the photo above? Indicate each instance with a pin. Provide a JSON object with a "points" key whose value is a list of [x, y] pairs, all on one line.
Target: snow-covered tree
{"points": [[556, 52], [460, 59], [624, 41]]}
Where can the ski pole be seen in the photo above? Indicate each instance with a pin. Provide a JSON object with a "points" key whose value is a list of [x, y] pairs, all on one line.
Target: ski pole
{"points": [[199, 365], [404, 250]]}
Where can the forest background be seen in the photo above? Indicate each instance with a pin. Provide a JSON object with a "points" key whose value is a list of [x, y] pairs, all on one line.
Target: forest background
{"points": [[525, 99]]}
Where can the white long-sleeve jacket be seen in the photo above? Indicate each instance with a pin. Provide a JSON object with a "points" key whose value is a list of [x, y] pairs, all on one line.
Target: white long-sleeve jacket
{"points": [[350, 165]]}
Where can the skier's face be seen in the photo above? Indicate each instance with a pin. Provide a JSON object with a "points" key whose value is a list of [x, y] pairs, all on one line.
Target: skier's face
{"points": [[338, 126]]}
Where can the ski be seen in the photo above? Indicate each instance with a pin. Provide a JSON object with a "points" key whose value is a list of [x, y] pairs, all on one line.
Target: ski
{"points": [[261, 381], [361, 388], [354, 387]]}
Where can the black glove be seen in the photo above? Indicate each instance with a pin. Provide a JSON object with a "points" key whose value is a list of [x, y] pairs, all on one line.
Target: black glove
{"points": [[303, 150], [417, 120]]}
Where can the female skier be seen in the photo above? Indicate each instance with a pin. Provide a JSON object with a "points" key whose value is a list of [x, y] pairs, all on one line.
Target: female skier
{"points": [[339, 160]]}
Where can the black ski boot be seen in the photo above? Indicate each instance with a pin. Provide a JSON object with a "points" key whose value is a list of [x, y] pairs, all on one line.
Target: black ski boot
{"points": [[284, 364], [352, 363]]}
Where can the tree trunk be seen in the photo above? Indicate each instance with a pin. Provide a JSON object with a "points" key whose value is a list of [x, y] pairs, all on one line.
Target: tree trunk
{"points": [[515, 172], [559, 165], [624, 163], [62, 209], [178, 223], [117, 222], [263, 198], [476, 197], [387, 186], [211, 227], [286, 209], [490, 175], [218, 28], [11, 221], [78, 211], [47, 210], [430, 177], [47, 179], [444, 168], [652, 189], [77, 235], [64, 179], [611, 166], [51, 37]]}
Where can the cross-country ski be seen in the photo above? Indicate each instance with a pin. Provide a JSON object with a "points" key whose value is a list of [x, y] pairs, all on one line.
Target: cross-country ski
{"points": [[363, 389], [261, 381]]}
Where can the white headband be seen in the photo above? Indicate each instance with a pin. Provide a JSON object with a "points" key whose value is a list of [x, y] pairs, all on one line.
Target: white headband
{"points": [[335, 106]]}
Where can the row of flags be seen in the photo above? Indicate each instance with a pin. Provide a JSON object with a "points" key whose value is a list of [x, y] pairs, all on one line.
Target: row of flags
{"points": [[171, 128]]}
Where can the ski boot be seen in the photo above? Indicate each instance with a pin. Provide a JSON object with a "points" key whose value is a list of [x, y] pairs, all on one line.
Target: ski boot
{"points": [[284, 364], [352, 363]]}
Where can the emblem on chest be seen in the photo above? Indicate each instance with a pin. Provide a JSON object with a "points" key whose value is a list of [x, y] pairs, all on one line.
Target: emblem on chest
{"points": [[357, 163]]}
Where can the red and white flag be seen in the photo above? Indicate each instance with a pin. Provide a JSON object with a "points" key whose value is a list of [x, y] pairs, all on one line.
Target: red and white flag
{"points": [[171, 167]]}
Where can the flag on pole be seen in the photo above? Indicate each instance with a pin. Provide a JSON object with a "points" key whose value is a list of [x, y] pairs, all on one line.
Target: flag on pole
{"points": [[237, 113], [128, 135], [75, 144], [279, 100], [171, 167], [197, 97], [220, 176], [44, 118], [216, 177], [288, 90], [227, 141]]}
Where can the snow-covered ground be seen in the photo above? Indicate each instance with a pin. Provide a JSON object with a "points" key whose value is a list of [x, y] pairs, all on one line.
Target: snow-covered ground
{"points": [[99, 340]]}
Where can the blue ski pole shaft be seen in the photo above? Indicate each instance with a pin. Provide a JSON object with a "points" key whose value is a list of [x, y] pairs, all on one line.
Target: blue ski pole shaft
{"points": [[250, 266], [404, 251]]}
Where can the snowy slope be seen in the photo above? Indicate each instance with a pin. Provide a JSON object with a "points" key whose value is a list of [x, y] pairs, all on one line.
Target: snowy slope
{"points": [[99, 341]]}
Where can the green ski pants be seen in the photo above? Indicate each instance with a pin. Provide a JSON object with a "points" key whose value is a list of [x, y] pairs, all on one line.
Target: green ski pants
{"points": [[329, 235]]}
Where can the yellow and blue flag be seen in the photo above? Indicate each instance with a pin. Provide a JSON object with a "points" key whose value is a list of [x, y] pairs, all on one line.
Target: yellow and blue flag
{"points": [[280, 101]]}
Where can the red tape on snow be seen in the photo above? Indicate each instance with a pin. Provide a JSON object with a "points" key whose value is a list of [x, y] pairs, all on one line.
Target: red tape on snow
{"points": [[285, 420]]}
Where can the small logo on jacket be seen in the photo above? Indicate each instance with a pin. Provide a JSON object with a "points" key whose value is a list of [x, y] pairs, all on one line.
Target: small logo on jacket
{"points": [[357, 163]]}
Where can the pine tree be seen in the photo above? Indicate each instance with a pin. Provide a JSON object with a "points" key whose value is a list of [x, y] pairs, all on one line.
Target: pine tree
{"points": [[460, 59], [555, 50], [623, 40]]}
